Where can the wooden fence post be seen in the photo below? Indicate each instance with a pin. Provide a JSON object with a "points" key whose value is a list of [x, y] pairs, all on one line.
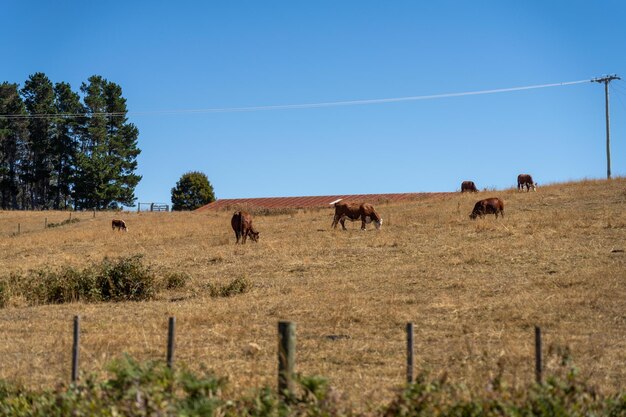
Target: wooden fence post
{"points": [[19, 227], [286, 357], [94, 213], [75, 349], [170, 342], [409, 353], [538, 364], [45, 223]]}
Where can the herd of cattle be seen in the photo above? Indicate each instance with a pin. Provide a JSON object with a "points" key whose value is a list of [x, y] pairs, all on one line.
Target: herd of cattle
{"points": [[241, 221]]}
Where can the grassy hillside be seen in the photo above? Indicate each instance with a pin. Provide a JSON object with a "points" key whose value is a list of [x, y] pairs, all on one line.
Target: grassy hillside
{"points": [[474, 290]]}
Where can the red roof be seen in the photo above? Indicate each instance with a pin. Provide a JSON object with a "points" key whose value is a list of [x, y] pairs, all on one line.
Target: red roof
{"points": [[311, 201]]}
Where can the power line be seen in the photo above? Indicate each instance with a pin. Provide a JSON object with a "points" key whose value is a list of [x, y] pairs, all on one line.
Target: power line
{"points": [[293, 106]]}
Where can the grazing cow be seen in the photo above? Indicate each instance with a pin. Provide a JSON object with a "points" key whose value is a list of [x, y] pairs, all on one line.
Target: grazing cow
{"points": [[242, 226], [468, 186], [525, 180], [488, 206], [355, 211], [119, 224]]}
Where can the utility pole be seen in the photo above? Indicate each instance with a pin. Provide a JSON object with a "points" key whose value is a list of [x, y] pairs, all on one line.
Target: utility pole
{"points": [[606, 80]]}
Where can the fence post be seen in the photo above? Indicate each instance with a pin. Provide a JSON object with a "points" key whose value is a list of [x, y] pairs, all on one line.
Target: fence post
{"points": [[70, 215], [170, 342], [409, 353], [75, 348], [538, 364], [286, 357], [45, 223], [94, 213]]}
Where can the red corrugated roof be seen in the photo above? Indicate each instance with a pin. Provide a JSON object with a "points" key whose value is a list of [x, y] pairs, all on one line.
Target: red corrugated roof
{"points": [[310, 201]]}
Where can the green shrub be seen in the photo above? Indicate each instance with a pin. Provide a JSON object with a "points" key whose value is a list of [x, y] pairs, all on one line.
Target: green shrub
{"points": [[64, 222], [176, 280], [556, 397], [4, 296], [132, 388], [237, 286], [123, 279]]}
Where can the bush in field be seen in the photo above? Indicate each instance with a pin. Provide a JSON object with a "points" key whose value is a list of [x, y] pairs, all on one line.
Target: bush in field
{"points": [[237, 286], [64, 222], [150, 388], [176, 280], [123, 279], [556, 397]]}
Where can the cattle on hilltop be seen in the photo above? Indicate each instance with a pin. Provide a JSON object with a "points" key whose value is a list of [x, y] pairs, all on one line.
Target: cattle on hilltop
{"points": [[468, 187], [119, 225], [355, 211], [488, 206], [525, 180], [241, 223]]}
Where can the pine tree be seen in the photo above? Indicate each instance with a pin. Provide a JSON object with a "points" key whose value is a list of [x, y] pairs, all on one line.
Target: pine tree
{"points": [[108, 153], [65, 144], [38, 93], [13, 139]]}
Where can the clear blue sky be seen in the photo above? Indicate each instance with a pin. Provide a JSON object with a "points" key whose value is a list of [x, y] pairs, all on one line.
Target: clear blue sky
{"points": [[198, 55]]}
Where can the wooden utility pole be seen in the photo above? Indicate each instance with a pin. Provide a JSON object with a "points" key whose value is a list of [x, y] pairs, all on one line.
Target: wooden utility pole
{"points": [[606, 80]]}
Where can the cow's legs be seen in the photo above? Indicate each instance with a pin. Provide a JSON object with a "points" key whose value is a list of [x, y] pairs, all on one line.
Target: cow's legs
{"points": [[335, 221], [363, 222], [343, 222], [237, 235]]}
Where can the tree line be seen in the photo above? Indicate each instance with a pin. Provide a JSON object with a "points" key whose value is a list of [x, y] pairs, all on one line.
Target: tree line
{"points": [[61, 149]]}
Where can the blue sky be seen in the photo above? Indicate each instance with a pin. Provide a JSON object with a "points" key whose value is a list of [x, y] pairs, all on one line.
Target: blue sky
{"points": [[199, 55]]}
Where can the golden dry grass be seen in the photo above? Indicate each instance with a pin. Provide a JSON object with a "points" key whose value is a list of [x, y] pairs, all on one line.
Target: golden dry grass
{"points": [[474, 290]]}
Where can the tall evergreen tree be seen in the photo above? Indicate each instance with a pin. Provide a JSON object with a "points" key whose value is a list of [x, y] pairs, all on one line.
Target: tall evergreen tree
{"points": [[13, 139], [65, 144], [38, 93], [107, 159]]}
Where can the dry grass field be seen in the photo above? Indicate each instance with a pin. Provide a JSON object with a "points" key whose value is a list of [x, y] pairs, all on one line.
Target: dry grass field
{"points": [[474, 290]]}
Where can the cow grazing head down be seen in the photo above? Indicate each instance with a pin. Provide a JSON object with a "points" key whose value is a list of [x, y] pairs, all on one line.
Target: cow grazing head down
{"points": [[241, 223], [468, 187], [525, 180], [119, 225], [487, 206], [354, 211], [254, 236]]}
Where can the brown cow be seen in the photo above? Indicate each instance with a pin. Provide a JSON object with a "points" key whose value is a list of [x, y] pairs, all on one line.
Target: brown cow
{"points": [[525, 180], [242, 225], [119, 224], [468, 186], [355, 211], [488, 206]]}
